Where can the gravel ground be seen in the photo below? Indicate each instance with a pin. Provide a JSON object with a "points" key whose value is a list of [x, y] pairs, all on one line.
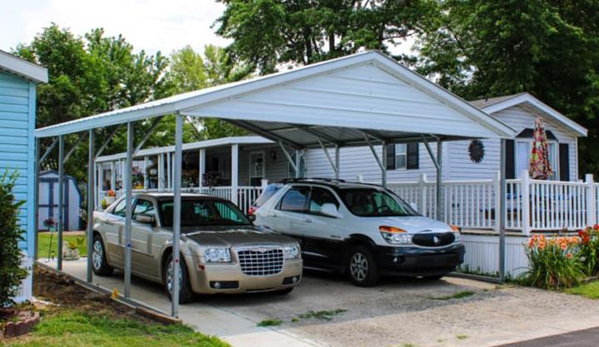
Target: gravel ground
{"points": [[405, 312]]}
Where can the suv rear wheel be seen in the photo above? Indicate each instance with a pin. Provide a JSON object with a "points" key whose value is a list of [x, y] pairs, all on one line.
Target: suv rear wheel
{"points": [[361, 267]]}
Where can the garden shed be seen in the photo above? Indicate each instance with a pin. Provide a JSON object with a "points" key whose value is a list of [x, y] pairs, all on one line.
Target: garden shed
{"points": [[48, 200], [18, 85]]}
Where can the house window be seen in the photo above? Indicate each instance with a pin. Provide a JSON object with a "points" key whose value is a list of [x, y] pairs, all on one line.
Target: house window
{"points": [[523, 152], [401, 156]]}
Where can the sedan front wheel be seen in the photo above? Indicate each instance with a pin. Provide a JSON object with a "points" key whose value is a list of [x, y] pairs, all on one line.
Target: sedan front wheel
{"points": [[185, 293]]}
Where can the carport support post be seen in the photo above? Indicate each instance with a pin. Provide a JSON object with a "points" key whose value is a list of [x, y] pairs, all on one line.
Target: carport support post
{"points": [[337, 173], [60, 223], [235, 173], [36, 203], [384, 165], [177, 212], [440, 214], [502, 210], [129, 208], [90, 203]]}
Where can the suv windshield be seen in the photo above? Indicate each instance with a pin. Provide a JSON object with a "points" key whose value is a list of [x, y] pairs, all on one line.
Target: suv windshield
{"points": [[203, 212], [368, 202]]}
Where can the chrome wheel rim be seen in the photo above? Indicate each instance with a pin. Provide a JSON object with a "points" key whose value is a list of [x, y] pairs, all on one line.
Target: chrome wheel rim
{"points": [[359, 267], [169, 277], [97, 254]]}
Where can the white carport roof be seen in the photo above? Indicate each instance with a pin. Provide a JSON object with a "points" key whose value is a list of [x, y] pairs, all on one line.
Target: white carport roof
{"points": [[336, 101]]}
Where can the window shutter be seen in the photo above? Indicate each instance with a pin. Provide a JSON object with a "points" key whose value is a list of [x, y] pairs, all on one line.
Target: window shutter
{"points": [[564, 162], [391, 157], [412, 160], [510, 160]]}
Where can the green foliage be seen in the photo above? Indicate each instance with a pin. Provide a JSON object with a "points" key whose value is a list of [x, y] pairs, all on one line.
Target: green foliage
{"points": [[481, 49], [270, 322], [90, 75], [268, 32], [71, 327], [555, 263], [11, 272], [322, 315], [47, 244], [588, 290], [589, 249]]}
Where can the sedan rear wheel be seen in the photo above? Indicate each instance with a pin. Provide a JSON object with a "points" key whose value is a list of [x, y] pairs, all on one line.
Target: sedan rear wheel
{"points": [[361, 267], [99, 264], [185, 293]]}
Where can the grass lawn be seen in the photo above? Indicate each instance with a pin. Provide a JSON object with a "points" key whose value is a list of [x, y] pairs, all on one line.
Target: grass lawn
{"points": [[589, 290], [76, 328], [43, 243]]}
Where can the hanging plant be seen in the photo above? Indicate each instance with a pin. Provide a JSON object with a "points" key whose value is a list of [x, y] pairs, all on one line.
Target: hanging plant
{"points": [[476, 150]]}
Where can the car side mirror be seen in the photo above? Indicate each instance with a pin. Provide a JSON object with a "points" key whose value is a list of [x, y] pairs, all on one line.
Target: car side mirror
{"points": [[146, 218], [330, 210], [252, 217]]}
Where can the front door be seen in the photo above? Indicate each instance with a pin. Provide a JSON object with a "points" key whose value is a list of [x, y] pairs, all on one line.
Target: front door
{"points": [[257, 168]]}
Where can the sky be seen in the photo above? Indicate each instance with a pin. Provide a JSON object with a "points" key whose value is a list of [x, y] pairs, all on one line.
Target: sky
{"points": [[151, 25]]}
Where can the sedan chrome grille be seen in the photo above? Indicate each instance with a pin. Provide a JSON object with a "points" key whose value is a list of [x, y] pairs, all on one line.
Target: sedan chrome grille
{"points": [[433, 239], [260, 261]]}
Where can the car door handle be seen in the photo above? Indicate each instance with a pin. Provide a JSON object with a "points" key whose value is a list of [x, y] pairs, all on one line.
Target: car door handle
{"points": [[273, 215], [307, 220]]}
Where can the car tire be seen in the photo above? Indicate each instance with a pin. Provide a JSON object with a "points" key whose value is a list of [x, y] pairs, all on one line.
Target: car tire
{"points": [[100, 266], [361, 267], [284, 291], [185, 293]]}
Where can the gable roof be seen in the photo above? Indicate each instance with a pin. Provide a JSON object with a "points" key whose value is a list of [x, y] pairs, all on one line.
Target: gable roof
{"points": [[23, 68], [527, 101], [339, 101]]}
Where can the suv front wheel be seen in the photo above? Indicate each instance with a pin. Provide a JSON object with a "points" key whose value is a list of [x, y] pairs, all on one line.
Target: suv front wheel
{"points": [[361, 267]]}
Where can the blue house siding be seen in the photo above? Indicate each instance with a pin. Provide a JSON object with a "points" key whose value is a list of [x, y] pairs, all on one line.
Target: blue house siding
{"points": [[17, 125]]}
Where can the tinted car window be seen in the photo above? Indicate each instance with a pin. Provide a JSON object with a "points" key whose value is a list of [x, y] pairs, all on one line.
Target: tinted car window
{"points": [[374, 203], [203, 213], [295, 200], [121, 208], [319, 197], [143, 206]]}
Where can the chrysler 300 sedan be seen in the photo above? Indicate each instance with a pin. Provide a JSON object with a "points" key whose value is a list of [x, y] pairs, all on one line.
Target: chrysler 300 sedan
{"points": [[221, 250]]}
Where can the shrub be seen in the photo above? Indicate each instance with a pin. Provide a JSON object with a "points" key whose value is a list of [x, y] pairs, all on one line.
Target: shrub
{"points": [[555, 263], [11, 272], [589, 249]]}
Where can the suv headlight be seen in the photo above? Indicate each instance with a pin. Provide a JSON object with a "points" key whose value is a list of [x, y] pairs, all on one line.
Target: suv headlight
{"points": [[217, 255], [395, 236], [291, 252]]}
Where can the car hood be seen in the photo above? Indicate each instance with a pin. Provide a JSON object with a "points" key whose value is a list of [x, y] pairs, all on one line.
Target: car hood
{"points": [[413, 224], [235, 236]]}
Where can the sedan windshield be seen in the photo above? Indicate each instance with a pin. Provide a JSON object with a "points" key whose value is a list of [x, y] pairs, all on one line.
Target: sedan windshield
{"points": [[374, 203], [203, 212]]}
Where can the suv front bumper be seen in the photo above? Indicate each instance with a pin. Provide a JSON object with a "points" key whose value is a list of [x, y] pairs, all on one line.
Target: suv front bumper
{"points": [[416, 261]]}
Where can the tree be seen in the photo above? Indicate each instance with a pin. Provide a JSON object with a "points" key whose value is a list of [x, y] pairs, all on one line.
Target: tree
{"points": [[548, 48], [91, 75], [268, 32], [190, 71], [11, 272]]}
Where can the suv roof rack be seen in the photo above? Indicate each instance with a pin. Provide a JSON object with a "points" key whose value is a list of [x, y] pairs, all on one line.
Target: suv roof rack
{"points": [[311, 179]]}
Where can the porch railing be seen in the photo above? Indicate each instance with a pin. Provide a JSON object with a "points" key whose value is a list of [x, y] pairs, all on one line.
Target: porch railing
{"points": [[245, 195], [530, 204]]}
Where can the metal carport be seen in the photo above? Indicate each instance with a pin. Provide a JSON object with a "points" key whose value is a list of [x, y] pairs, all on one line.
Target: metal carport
{"points": [[363, 99]]}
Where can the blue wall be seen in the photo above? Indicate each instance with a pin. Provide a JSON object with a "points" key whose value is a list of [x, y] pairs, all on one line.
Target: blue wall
{"points": [[17, 146]]}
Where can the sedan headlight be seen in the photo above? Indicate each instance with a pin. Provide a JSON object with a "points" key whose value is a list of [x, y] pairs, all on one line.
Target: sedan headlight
{"points": [[291, 252], [217, 255], [395, 236]]}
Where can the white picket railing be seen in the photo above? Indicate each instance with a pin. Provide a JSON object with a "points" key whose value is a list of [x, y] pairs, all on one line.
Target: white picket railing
{"points": [[531, 205], [245, 195]]}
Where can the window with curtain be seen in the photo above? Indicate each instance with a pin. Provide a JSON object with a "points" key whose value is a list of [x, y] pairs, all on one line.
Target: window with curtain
{"points": [[401, 155]]}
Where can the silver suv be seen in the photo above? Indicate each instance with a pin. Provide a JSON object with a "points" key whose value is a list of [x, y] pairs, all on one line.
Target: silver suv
{"points": [[362, 229]]}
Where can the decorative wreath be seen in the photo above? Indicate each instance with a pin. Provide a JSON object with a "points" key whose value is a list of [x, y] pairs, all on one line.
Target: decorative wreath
{"points": [[476, 150]]}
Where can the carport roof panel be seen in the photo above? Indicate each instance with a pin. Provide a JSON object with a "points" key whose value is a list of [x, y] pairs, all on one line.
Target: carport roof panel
{"points": [[366, 91]]}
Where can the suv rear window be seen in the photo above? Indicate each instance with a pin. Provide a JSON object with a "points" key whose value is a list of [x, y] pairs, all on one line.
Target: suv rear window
{"points": [[270, 190]]}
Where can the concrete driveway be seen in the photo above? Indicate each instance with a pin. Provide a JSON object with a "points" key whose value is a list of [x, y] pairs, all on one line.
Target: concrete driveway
{"points": [[326, 310]]}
